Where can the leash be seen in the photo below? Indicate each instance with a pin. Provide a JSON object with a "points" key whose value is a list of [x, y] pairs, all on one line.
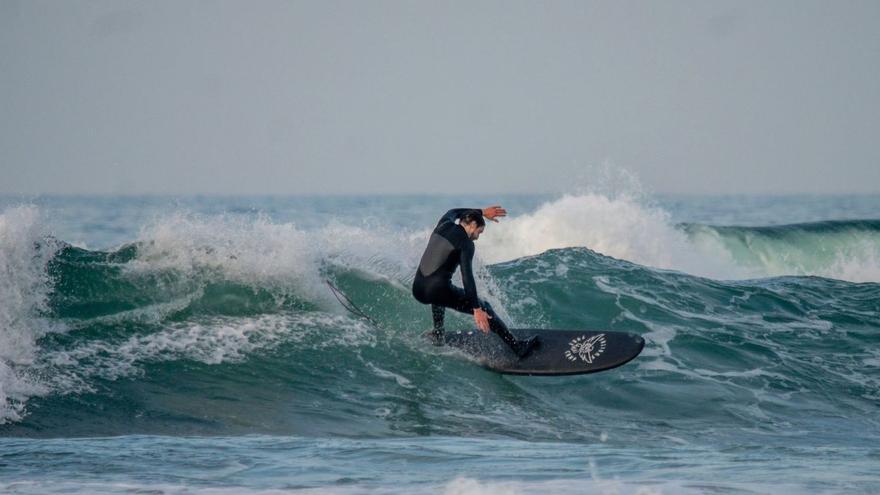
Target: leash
{"points": [[347, 304]]}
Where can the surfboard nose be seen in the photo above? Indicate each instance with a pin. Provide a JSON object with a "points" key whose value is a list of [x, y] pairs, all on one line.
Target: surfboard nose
{"points": [[639, 341]]}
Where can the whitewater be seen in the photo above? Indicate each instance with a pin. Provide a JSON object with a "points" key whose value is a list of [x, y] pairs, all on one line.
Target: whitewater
{"points": [[190, 345]]}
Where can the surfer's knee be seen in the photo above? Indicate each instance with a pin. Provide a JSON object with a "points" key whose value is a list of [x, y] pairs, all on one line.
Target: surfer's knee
{"points": [[418, 293]]}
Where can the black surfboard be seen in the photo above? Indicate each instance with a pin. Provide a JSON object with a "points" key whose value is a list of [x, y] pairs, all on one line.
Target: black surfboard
{"points": [[561, 352]]}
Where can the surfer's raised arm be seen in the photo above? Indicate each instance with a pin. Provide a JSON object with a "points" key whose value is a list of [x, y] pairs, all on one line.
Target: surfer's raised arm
{"points": [[490, 212]]}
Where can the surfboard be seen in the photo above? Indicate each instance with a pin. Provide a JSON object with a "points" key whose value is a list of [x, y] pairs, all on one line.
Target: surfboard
{"points": [[561, 352]]}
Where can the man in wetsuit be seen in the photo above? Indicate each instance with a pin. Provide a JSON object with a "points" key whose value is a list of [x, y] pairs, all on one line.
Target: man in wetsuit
{"points": [[452, 244]]}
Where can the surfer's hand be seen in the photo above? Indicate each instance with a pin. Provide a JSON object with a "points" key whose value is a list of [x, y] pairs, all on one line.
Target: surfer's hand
{"points": [[482, 320], [492, 212]]}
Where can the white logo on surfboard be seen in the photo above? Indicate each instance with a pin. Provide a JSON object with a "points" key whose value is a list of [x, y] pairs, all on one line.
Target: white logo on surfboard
{"points": [[587, 349]]}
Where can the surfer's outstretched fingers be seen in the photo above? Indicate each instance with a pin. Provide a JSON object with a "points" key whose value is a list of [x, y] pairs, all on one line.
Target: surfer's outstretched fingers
{"points": [[492, 212]]}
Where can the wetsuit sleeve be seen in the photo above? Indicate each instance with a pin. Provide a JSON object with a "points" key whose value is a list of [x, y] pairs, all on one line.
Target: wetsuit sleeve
{"points": [[456, 213], [467, 274]]}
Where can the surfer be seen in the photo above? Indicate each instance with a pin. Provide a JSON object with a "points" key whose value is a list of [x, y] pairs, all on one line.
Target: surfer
{"points": [[452, 245]]}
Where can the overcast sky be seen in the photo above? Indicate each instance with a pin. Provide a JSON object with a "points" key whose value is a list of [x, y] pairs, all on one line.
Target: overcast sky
{"points": [[405, 97]]}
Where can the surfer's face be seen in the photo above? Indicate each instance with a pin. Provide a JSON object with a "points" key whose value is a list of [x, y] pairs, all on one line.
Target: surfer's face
{"points": [[473, 231]]}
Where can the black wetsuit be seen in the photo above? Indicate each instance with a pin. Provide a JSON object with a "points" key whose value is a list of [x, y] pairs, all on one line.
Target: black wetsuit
{"points": [[449, 247]]}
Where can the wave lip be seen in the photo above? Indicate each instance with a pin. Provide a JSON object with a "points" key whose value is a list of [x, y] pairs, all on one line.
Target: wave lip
{"points": [[627, 227]]}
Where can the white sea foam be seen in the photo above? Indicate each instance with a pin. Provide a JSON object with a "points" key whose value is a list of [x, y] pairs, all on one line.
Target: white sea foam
{"points": [[861, 264], [211, 341], [621, 227], [257, 252], [24, 288], [383, 373]]}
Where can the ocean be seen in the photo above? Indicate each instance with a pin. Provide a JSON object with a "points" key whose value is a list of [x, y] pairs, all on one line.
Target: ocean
{"points": [[190, 345]]}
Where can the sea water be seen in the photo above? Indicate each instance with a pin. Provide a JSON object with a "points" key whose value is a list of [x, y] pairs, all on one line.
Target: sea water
{"points": [[190, 345]]}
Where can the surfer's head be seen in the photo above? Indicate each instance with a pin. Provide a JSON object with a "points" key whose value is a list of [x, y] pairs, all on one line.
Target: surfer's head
{"points": [[473, 224]]}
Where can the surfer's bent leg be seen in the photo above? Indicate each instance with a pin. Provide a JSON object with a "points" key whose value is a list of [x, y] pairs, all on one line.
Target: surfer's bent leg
{"points": [[445, 295], [437, 313]]}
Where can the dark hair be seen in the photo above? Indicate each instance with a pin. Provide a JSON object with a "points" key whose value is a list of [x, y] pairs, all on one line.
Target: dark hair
{"points": [[472, 216]]}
